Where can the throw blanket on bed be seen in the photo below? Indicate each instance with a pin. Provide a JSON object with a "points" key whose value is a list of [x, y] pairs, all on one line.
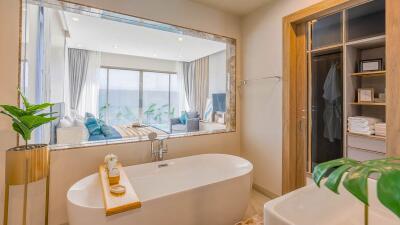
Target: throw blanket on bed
{"points": [[139, 132]]}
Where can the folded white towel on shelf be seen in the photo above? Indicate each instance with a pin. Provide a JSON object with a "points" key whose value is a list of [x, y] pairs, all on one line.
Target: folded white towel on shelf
{"points": [[380, 129], [362, 125], [363, 120], [361, 130]]}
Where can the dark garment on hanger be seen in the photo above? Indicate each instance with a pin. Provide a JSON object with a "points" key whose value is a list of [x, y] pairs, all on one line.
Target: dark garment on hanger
{"points": [[333, 105]]}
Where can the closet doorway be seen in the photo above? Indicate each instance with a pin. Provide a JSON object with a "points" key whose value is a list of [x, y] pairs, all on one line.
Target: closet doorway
{"points": [[321, 78]]}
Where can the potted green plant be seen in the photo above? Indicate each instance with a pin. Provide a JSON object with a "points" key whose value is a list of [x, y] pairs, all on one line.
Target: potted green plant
{"points": [[25, 121], [356, 180], [26, 163]]}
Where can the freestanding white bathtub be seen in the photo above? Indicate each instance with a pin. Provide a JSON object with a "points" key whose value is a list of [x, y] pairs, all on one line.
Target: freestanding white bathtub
{"points": [[209, 189]]}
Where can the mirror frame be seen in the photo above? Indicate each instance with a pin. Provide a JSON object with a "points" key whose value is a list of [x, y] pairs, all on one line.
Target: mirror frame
{"points": [[149, 23]]}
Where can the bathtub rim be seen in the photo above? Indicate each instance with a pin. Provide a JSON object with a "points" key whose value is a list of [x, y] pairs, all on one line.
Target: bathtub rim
{"points": [[96, 176]]}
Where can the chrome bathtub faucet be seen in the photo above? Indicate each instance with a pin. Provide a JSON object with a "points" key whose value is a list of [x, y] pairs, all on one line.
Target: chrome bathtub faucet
{"points": [[162, 149], [158, 147]]}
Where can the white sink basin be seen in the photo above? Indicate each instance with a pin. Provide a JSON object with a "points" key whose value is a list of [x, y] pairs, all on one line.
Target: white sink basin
{"points": [[319, 206]]}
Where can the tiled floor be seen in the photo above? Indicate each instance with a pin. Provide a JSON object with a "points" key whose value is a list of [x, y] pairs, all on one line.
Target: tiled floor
{"points": [[256, 204]]}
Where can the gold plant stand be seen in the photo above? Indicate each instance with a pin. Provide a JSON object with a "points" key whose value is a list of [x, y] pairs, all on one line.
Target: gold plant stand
{"points": [[24, 166]]}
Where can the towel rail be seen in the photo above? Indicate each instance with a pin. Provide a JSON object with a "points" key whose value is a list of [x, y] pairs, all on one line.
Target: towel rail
{"points": [[245, 82]]}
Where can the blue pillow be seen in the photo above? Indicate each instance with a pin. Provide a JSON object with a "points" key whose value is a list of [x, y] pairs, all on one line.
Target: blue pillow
{"points": [[93, 126], [89, 115], [107, 130], [183, 118]]}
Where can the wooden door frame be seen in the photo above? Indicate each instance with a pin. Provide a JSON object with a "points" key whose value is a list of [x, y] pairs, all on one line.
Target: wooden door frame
{"points": [[294, 63]]}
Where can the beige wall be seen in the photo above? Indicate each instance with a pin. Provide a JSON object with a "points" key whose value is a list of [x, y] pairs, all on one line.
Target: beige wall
{"points": [[261, 116], [70, 165], [137, 62], [9, 36]]}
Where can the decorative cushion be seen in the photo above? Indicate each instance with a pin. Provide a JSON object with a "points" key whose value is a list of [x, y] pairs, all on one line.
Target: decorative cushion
{"points": [[89, 115], [64, 122], [93, 126], [183, 118], [107, 130], [79, 123]]}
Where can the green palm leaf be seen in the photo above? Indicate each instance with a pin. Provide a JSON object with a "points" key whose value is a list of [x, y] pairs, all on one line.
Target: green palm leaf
{"points": [[35, 121], [25, 132], [356, 180], [25, 121], [24, 99], [15, 111], [36, 108]]}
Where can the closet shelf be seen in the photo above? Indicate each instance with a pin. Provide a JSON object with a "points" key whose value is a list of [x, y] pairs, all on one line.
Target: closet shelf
{"points": [[368, 136], [369, 103], [370, 74], [327, 49], [372, 42]]}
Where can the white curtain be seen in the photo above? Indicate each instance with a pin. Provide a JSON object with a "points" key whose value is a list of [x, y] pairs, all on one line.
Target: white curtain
{"points": [[189, 80], [183, 104], [201, 85], [196, 81], [89, 101]]}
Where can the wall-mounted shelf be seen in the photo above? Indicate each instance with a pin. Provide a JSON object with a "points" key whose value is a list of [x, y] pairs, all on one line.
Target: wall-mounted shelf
{"points": [[368, 136], [369, 103], [370, 74]]}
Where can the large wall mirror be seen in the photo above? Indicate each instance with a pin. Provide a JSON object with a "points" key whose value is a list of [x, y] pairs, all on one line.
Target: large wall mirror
{"points": [[114, 77]]}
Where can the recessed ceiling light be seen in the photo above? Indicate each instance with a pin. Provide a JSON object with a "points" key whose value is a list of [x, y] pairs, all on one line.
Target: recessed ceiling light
{"points": [[115, 46], [79, 45], [76, 19], [155, 55], [180, 38]]}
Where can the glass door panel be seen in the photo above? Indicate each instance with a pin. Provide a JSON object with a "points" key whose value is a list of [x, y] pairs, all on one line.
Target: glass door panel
{"points": [[366, 20], [123, 96], [326, 107], [327, 31], [156, 99], [174, 110]]}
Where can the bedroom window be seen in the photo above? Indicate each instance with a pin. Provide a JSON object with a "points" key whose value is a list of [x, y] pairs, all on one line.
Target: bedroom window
{"points": [[127, 96], [119, 96]]}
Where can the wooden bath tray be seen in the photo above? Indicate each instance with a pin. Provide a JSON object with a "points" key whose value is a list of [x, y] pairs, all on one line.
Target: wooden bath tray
{"points": [[114, 204]]}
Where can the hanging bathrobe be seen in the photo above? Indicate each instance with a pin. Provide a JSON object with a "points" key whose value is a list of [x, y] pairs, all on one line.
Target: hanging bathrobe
{"points": [[333, 105]]}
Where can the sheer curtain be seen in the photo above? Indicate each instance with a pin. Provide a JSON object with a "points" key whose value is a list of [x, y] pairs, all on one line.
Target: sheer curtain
{"points": [[201, 85], [78, 61], [89, 101], [196, 82], [183, 104], [189, 81]]}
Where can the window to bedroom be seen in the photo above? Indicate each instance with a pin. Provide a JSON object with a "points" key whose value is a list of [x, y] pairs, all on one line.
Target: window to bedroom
{"points": [[143, 77], [127, 96]]}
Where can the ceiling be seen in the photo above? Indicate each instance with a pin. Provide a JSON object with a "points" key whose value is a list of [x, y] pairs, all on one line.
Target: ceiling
{"points": [[237, 7], [97, 34]]}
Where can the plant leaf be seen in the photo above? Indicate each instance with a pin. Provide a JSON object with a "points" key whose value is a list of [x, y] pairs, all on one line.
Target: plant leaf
{"points": [[388, 189], [356, 182], [15, 111], [321, 170], [24, 99], [336, 176], [46, 114], [35, 121], [22, 129], [40, 107]]}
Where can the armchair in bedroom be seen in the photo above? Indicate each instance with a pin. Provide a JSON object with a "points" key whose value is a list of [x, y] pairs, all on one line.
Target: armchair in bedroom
{"points": [[188, 122]]}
